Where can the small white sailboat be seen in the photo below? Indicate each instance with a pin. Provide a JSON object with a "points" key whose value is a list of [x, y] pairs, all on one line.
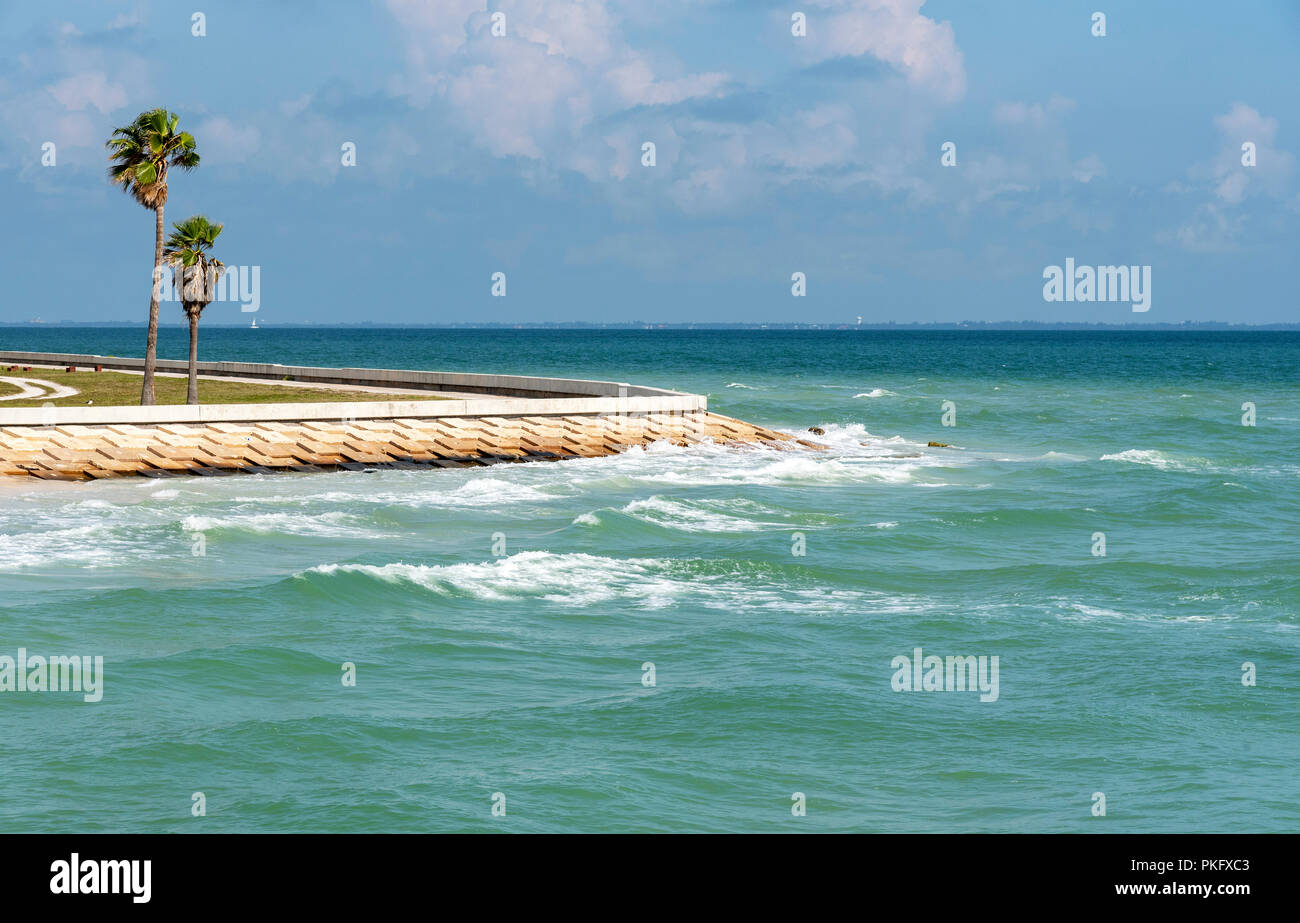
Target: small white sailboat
{"points": [[253, 325]]}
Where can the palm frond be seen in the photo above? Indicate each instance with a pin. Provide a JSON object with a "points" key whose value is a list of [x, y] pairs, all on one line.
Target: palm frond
{"points": [[195, 270], [141, 153]]}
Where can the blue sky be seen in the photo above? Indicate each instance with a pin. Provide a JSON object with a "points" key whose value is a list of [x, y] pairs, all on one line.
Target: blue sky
{"points": [[775, 154]]}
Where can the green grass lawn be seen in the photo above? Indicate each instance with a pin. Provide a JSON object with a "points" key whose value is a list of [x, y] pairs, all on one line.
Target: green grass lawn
{"points": [[122, 388]]}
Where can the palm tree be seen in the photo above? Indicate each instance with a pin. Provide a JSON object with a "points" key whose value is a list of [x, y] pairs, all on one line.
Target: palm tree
{"points": [[195, 272], [140, 155]]}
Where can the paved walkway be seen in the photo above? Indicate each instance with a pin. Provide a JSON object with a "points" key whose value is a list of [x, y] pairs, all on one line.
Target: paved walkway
{"points": [[35, 388]]}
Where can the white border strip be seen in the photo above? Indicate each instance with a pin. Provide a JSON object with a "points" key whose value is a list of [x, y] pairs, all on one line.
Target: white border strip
{"points": [[354, 410]]}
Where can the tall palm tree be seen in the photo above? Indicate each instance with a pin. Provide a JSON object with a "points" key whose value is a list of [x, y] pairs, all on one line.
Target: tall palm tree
{"points": [[195, 272], [140, 156]]}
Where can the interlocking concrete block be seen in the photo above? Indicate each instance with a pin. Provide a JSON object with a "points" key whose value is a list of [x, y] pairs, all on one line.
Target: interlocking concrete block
{"points": [[78, 451]]}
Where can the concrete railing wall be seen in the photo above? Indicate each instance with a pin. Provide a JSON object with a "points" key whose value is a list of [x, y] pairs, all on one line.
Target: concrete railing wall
{"points": [[497, 385]]}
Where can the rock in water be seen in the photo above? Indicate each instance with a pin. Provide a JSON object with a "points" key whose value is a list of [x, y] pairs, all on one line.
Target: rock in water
{"points": [[817, 431], [938, 445]]}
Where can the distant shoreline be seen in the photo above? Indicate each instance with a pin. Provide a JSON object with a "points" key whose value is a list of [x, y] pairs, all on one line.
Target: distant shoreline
{"points": [[1025, 326]]}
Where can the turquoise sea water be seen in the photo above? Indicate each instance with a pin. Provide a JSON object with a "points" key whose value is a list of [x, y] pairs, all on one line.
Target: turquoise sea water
{"points": [[522, 673]]}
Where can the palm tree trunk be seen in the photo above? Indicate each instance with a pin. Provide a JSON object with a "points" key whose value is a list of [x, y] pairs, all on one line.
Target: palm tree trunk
{"points": [[151, 342], [192, 392]]}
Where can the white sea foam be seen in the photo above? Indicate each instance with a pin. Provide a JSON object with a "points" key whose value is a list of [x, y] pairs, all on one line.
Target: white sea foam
{"points": [[660, 463], [482, 491], [847, 462], [431, 489], [705, 515], [324, 525], [1151, 457], [1045, 457], [579, 580], [572, 579], [90, 545], [877, 392], [1077, 611], [1140, 457], [1097, 611], [789, 471], [848, 439], [736, 384]]}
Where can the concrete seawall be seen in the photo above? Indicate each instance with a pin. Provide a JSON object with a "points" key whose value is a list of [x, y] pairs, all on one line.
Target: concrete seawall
{"points": [[562, 418], [78, 452]]}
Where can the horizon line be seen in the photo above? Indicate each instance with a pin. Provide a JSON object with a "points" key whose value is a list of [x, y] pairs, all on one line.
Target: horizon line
{"points": [[666, 325]]}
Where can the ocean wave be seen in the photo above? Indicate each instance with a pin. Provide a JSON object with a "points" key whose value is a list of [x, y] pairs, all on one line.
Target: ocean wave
{"points": [[884, 460], [735, 515], [856, 439], [430, 490], [877, 392], [791, 472], [1151, 457], [574, 579], [478, 492], [736, 384], [580, 580], [324, 525], [1077, 611], [1045, 457], [92, 545]]}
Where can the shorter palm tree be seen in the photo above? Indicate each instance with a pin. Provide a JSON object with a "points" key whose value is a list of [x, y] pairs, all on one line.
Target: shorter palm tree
{"points": [[195, 273]]}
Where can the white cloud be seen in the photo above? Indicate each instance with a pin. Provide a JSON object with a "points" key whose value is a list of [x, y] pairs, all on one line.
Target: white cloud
{"points": [[1233, 180], [1036, 114], [636, 84], [1035, 150], [1088, 168], [1228, 182], [69, 90], [225, 141], [1212, 229], [436, 26], [894, 31], [89, 89], [533, 93], [565, 88]]}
